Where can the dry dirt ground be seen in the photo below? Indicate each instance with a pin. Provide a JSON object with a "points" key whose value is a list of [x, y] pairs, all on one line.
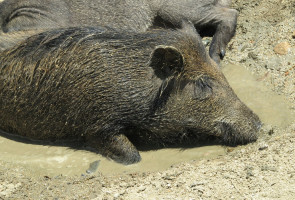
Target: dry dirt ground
{"points": [[262, 170]]}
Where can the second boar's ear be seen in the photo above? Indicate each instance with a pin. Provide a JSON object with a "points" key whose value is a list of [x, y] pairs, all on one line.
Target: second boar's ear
{"points": [[166, 61]]}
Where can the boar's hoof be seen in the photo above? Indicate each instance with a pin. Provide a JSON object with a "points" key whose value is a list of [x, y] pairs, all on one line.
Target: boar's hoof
{"points": [[115, 147], [217, 55], [222, 53]]}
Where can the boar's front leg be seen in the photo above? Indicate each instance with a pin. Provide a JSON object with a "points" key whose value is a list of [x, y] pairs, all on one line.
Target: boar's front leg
{"points": [[116, 147]]}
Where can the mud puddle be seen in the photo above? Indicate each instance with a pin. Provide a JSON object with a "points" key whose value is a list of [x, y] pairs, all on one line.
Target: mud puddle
{"points": [[55, 160], [271, 108], [44, 160]]}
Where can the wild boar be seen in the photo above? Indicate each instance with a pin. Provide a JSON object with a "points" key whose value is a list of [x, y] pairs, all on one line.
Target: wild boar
{"points": [[33, 16], [104, 86]]}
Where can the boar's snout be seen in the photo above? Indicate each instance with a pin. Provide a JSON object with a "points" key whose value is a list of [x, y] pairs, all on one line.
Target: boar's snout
{"points": [[239, 128]]}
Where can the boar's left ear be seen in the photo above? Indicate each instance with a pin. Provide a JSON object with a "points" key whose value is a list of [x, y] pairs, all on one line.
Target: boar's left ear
{"points": [[166, 61]]}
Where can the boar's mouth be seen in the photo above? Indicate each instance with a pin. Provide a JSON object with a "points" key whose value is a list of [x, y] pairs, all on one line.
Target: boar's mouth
{"points": [[233, 134]]}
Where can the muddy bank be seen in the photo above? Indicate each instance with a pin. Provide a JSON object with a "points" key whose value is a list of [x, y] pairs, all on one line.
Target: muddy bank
{"points": [[262, 170]]}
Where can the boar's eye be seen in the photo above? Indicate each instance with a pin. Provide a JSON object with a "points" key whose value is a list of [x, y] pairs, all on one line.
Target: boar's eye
{"points": [[203, 88]]}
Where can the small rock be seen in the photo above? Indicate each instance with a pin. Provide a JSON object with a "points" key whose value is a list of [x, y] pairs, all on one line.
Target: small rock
{"points": [[230, 149], [268, 168], [249, 174], [282, 48], [249, 171], [116, 195], [206, 41], [262, 146], [293, 35], [243, 47], [252, 55], [93, 167], [141, 189], [267, 129], [168, 178], [58, 176]]}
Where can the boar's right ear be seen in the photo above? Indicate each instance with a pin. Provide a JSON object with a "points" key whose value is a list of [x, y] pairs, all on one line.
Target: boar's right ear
{"points": [[166, 61]]}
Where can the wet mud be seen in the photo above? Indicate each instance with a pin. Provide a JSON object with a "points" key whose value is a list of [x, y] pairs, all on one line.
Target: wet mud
{"points": [[56, 160], [272, 108]]}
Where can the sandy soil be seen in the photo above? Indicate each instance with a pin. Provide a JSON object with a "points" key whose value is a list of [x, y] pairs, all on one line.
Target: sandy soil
{"points": [[262, 170]]}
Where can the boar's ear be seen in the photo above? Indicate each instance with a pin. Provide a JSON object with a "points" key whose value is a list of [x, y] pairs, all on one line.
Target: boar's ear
{"points": [[166, 61]]}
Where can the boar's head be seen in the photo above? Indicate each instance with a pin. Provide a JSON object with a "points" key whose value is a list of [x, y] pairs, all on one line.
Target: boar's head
{"points": [[195, 96]]}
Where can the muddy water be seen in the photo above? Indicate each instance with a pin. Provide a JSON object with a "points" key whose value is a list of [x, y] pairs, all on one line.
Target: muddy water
{"points": [[56, 160], [270, 107]]}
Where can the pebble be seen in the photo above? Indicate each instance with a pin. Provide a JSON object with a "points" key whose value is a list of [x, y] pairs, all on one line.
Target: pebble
{"points": [[141, 189], [293, 35], [268, 129], [116, 195], [230, 149], [268, 168], [206, 42], [252, 55], [282, 48], [93, 167], [262, 148]]}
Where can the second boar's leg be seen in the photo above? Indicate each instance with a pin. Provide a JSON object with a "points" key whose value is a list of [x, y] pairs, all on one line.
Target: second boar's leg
{"points": [[116, 147], [8, 40], [225, 30], [214, 14]]}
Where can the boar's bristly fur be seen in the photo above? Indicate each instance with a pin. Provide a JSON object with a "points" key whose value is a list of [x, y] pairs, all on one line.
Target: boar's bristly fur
{"points": [[97, 84]]}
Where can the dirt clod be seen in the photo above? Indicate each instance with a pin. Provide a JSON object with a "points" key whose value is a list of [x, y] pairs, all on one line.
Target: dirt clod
{"points": [[282, 48]]}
